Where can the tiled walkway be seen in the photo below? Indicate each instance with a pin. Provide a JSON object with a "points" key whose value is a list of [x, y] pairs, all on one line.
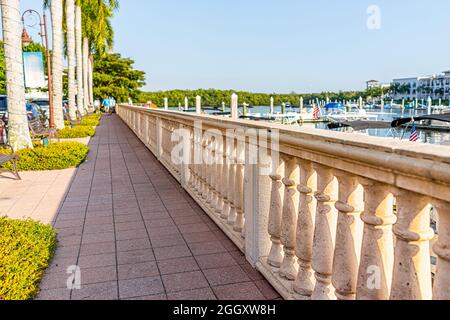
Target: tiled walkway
{"points": [[136, 234]]}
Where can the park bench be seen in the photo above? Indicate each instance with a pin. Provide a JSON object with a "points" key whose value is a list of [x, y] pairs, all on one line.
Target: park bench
{"points": [[78, 120], [38, 131], [7, 157]]}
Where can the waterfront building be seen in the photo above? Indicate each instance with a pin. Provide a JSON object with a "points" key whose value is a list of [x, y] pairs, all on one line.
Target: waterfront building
{"points": [[435, 86]]}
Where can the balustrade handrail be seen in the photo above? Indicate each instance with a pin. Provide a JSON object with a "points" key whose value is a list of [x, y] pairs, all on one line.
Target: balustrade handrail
{"points": [[421, 168]]}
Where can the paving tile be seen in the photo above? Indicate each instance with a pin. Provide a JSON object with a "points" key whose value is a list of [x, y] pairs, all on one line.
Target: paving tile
{"points": [[238, 291], [158, 223], [131, 245], [200, 237], [207, 248], [178, 265], [101, 228], [126, 226], [196, 294], [167, 241], [98, 275], [132, 234], [138, 270], [128, 218], [157, 297], [225, 275], [54, 294], [140, 287], [163, 231], [100, 260], [184, 281], [251, 272], [267, 290], [136, 256], [98, 291], [98, 238], [193, 228], [97, 248], [172, 252], [238, 256], [216, 260]]}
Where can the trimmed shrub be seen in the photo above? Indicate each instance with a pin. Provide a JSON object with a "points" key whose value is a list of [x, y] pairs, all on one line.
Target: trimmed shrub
{"points": [[92, 120], [56, 156], [76, 132], [26, 249]]}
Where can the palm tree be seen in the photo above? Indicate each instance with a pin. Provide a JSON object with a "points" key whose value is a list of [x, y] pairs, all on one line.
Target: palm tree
{"points": [[79, 56], [56, 8], [98, 35], [71, 57], [18, 132]]}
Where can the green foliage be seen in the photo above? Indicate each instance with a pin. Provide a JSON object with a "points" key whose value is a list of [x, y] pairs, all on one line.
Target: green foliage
{"points": [[26, 249], [214, 98], [82, 131], [92, 120], [56, 156], [115, 77]]}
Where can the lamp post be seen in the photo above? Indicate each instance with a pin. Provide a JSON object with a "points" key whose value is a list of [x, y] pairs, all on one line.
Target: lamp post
{"points": [[44, 39]]}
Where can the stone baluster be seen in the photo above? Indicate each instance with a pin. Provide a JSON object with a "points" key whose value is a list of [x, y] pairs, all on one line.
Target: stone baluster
{"points": [[377, 257], [210, 172], [441, 289], [205, 173], [305, 282], [218, 201], [289, 267], [212, 199], [348, 237], [225, 210], [239, 194], [325, 233], [276, 210], [196, 166], [412, 269], [232, 182]]}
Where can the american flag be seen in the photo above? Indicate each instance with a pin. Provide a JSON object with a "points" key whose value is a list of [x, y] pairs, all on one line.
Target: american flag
{"points": [[316, 113], [414, 137]]}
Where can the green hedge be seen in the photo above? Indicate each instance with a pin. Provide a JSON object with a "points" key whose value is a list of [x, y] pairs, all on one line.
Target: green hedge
{"points": [[76, 132], [26, 249], [56, 156], [92, 120]]}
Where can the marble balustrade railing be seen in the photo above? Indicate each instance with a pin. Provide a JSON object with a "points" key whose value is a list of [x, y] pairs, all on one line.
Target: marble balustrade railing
{"points": [[340, 216]]}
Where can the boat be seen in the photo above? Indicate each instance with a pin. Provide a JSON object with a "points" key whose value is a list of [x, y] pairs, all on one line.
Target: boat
{"points": [[349, 113]]}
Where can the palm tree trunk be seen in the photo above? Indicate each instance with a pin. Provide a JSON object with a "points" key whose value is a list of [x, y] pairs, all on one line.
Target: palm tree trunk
{"points": [[91, 79], [57, 61], [19, 134], [79, 54], [71, 58], [85, 73]]}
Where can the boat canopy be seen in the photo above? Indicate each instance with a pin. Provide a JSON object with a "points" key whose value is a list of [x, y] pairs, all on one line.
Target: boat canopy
{"points": [[360, 125], [436, 117], [334, 105]]}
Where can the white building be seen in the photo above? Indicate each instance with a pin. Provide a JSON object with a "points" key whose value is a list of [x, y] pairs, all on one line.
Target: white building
{"points": [[372, 84], [436, 87]]}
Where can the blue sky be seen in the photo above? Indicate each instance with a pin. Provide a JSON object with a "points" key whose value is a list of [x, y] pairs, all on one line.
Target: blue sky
{"points": [[280, 45]]}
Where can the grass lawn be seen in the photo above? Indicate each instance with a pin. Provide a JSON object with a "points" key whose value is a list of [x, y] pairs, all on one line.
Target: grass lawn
{"points": [[26, 249]]}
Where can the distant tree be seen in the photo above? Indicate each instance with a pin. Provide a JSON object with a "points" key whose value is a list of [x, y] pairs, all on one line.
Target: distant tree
{"points": [[115, 76]]}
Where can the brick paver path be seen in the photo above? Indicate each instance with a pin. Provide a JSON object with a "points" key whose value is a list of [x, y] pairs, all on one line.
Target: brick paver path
{"points": [[136, 234]]}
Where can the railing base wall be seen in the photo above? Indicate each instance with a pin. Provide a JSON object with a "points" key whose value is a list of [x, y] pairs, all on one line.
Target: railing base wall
{"points": [[282, 286]]}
